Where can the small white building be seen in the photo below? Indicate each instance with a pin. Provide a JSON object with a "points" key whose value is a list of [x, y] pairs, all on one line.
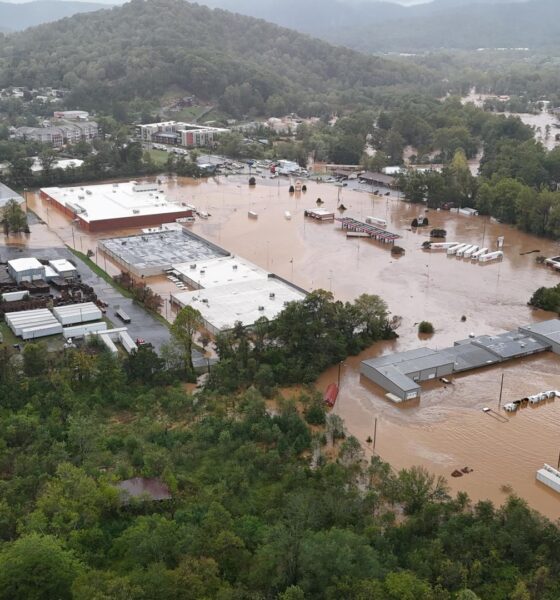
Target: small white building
{"points": [[26, 269], [64, 268]]}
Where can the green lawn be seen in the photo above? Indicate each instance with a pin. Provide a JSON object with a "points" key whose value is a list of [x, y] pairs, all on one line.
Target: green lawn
{"points": [[8, 336], [158, 156]]}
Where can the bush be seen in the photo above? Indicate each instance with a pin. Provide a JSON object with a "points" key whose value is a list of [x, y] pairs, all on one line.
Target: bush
{"points": [[315, 414], [546, 298], [252, 181], [426, 327], [292, 189]]}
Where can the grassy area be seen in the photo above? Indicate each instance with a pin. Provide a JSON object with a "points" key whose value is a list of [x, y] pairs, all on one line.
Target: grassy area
{"points": [[158, 156], [7, 335], [189, 113]]}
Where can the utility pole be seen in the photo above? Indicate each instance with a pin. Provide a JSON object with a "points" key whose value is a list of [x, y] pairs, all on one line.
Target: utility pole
{"points": [[374, 433], [501, 390], [339, 371]]}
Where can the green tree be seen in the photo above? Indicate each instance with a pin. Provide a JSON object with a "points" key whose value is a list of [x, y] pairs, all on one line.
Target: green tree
{"points": [[14, 218], [35, 359], [37, 567], [186, 324]]}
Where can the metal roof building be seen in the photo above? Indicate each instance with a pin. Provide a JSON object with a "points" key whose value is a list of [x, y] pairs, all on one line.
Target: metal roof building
{"points": [[401, 373], [547, 332], [7, 194], [26, 269], [152, 253]]}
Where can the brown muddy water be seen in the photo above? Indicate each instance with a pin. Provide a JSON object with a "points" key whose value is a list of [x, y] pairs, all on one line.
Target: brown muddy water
{"points": [[446, 429]]}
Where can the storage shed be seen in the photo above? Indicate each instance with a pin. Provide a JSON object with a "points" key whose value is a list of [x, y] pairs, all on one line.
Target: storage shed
{"points": [[26, 269], [64, 268]]}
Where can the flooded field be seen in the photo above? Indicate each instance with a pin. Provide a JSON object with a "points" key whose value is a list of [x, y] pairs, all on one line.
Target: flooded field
{"points": [[446, 429]]}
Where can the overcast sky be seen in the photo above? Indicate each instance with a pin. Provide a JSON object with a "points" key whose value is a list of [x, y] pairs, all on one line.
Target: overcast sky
{"points": [[404, 2]]}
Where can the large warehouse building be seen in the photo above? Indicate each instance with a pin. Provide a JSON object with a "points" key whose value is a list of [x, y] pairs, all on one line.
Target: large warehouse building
{"points": [[400, 374], [222, 306], [117, 205], [152, 253]]}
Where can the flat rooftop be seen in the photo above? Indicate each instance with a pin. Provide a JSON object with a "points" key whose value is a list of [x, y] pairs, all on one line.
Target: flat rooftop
{"points": [[468, 356], [24, 264], [245, 301], [161, 249], [510, 344], [114, 200], [220, 271], [544, 327]]}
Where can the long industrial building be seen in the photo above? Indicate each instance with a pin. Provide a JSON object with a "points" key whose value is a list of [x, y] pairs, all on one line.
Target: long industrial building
{"points": [[400, 374], [117, 205], [152, 253], [230, 289]]}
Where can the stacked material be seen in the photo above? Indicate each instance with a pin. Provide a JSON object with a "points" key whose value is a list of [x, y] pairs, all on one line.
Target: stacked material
{"points": [[31, 324], [77, 313]]}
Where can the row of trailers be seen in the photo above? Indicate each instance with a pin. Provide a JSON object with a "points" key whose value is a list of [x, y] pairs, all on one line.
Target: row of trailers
{"points": [[33, 324], [468, 251]]}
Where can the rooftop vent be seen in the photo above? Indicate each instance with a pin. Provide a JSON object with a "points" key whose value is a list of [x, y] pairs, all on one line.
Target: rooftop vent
{"points": [[235, 267], [193, 266], [272, 295], [261, 307]]}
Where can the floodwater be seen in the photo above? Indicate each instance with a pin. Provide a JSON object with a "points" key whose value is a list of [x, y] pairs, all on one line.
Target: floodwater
{"points": [[446, 429], [538, 121]]}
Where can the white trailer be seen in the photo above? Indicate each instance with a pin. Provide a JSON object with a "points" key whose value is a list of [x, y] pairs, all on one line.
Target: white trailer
{"points": [[470, 251], [14, 296], [440, 245], [454, 249], [84, 329], [461, 252], [491, 256], [77, 313], [377, 222], [476, 255], [37, 331], [550, 477]]}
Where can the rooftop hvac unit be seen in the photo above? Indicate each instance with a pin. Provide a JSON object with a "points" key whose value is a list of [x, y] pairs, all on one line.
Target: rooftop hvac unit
{"points": [[272, 295], [89, 192], [261, 307], [202, 272], [135, 211], [205, 300], [81, 197], [235, 267], [193, 266]]}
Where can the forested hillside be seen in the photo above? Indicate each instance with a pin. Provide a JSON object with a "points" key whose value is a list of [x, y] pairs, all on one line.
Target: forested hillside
{"points": [[143, 48], [14, 17], [386, 27], [256, 499]]}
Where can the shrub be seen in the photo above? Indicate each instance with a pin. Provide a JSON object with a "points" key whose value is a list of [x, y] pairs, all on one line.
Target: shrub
{"points": [[425, 327]]}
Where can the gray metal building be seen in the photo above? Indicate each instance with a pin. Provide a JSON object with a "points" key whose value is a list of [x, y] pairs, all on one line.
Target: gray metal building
{"points": [[547, 332], [401, 373]]}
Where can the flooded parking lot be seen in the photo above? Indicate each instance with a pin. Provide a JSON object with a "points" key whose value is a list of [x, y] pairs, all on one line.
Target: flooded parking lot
{"points": [[446, 429]]}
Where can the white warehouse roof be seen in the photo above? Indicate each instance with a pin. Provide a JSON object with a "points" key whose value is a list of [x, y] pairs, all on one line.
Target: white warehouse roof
{"points": [[245, 301], [220, 271], [20, 265], [113, 201]]}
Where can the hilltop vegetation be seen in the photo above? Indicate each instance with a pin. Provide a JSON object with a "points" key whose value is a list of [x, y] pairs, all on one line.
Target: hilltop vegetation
{"points": [[141, 49], [388, 27]]}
